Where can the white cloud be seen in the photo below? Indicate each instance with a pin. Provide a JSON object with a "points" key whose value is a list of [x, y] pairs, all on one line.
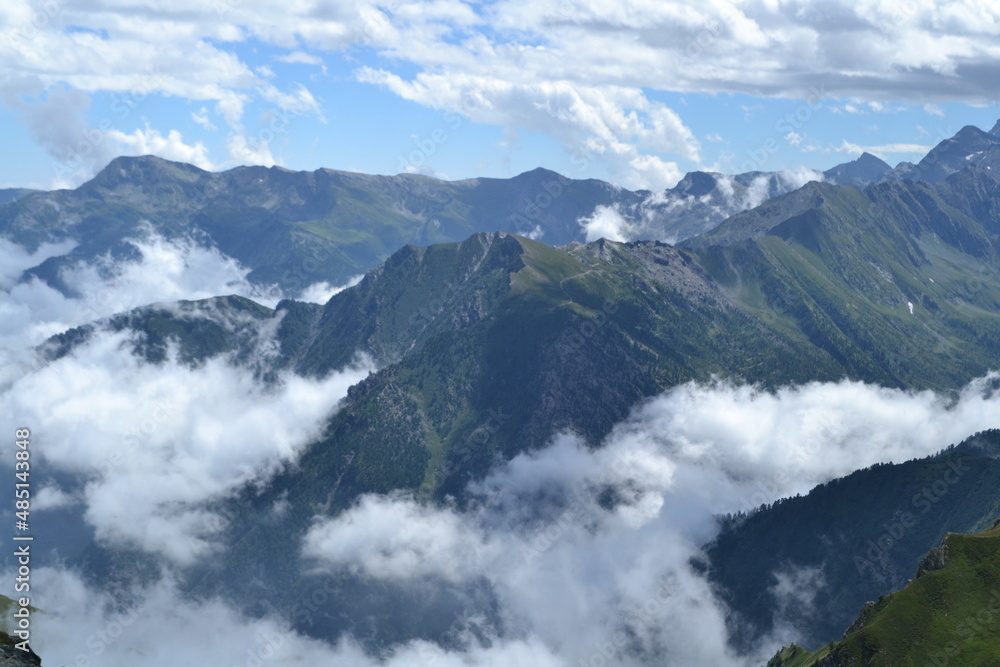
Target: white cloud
{"points": [[149, 444], [32, 311], [51, 496], [607, 223], [245, 150], [16, 259], [396, 538], [883, 150], [201, 117], [796, 178], [322, 292], [86, 626], [170, 147], [300, 57], [154, 442], [616, 126]]}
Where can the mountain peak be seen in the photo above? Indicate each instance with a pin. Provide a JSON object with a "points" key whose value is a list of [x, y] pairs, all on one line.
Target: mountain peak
{"points": [[996, 130], [969, 132], [868, 158], [696, 184], [538, 173], [859, 172], [142, 169]]}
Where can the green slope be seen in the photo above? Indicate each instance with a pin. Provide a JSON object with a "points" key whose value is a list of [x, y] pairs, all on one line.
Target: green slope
{"points": [[948, 615], [844, 267]]}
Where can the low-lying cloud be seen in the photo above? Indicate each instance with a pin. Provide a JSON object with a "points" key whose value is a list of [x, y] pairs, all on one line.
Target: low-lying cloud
{"points": [[672, 216], [141, 448], [152, 443], [165, 270], [588, 551], [598, 544]]}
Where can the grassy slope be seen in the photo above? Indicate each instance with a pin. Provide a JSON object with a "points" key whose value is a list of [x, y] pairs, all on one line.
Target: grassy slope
{"points": [[945, 616], [844, 273]]}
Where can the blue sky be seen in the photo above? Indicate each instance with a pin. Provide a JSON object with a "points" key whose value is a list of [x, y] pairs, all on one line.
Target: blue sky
{"points": [[635, 93]]}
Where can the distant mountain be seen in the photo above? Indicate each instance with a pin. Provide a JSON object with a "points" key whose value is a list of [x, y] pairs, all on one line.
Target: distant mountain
{"points": [[970, 147], [861, 172], [298, 228], [948, 615], [854, 538], [701, 200]]}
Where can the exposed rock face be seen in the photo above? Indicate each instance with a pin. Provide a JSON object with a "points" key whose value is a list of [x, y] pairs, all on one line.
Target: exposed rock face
{"points": [[935, 559]]}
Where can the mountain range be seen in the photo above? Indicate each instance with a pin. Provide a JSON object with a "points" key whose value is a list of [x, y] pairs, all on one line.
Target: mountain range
{"points": [[494, 326], [297, 228]]}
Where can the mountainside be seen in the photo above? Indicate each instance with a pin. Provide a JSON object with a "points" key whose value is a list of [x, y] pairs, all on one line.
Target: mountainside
{"points": [[948, 615], [488, 347], [850, 540]]}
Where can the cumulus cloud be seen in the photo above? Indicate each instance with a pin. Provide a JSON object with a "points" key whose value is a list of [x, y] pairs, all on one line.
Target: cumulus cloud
{"points": [[607, 223], [793, 179], [580, 72], [395, 538], [245, 149], [151, 142], [149, 444], [615, 126]]}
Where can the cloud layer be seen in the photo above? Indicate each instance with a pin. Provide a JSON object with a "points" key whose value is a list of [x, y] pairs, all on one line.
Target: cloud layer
{"points": [[582, 72], [598, 544]]}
